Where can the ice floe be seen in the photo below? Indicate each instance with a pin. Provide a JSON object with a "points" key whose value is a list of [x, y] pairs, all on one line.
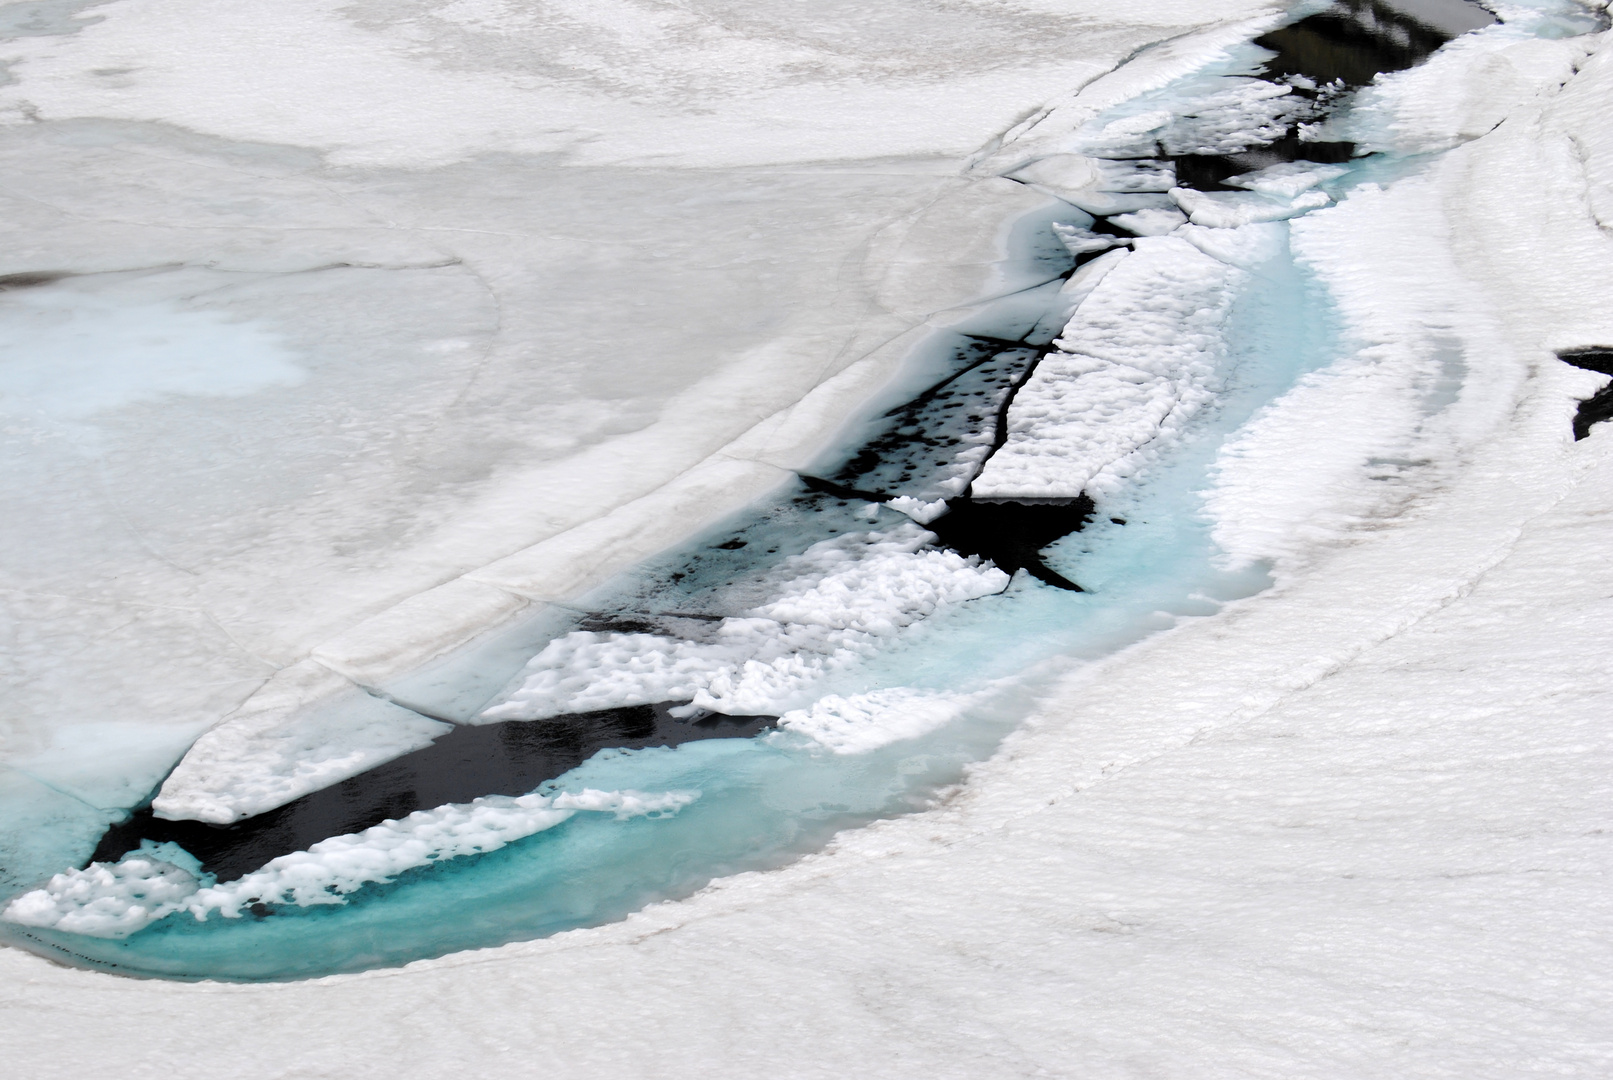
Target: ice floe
{"points": [[120, 899], [278, 748], [1230, 209], [1138, 358], [859, 723], [828, 607]]}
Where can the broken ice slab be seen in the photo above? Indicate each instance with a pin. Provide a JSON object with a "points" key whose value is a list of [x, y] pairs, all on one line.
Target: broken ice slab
{"points": [[1230, 209], [1287, 179], [1084, 241], [1154, 221], [305, 730], [1138, 358]]}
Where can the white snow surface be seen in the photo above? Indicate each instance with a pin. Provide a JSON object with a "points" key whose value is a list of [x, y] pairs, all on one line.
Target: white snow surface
{"points": [[1135, 362], [829, 607], [115, 900]]}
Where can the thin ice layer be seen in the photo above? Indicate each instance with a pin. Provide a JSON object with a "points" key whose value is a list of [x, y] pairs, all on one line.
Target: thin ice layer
{"points": [[1136, 361], [116, 900], [829, 607], [940, 440]]}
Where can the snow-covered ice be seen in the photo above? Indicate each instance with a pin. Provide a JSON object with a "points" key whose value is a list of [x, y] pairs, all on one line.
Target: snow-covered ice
{"points": [[826, 608], [117, 900], [1352, 825], [1137, 360]]}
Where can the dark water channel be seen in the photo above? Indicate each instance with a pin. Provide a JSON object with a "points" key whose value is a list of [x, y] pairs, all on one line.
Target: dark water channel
{"points": [[1599, 406]]}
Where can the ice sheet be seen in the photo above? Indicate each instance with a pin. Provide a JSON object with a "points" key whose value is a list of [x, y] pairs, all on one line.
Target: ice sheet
{"points": [[710, 83]]}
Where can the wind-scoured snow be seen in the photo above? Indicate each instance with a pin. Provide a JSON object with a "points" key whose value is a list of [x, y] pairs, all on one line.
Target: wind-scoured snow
{"points": [[117, 900], [830, 606]]}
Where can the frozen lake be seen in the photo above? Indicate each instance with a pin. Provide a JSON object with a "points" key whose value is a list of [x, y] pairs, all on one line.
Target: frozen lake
{"points": [[841, 650], [848, 515]]}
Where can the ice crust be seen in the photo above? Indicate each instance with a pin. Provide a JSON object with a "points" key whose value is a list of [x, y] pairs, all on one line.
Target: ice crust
{"points": [[1136, 361], [828, 607], [116, 900]]}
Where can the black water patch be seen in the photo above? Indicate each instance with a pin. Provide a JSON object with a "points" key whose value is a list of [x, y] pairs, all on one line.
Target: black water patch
{"points": [[510, 758], [917, 451], [1355, 40], [1320, 57], [1013, 534], [1209, 172], [1599, 406]]}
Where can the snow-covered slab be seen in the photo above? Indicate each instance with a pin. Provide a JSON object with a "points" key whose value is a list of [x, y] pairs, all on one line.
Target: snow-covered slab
{"points": [[1288, 179], [1136, 360], [858, 723], [115, 900], [825, 609], [305, 730], [1230, 209]]}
